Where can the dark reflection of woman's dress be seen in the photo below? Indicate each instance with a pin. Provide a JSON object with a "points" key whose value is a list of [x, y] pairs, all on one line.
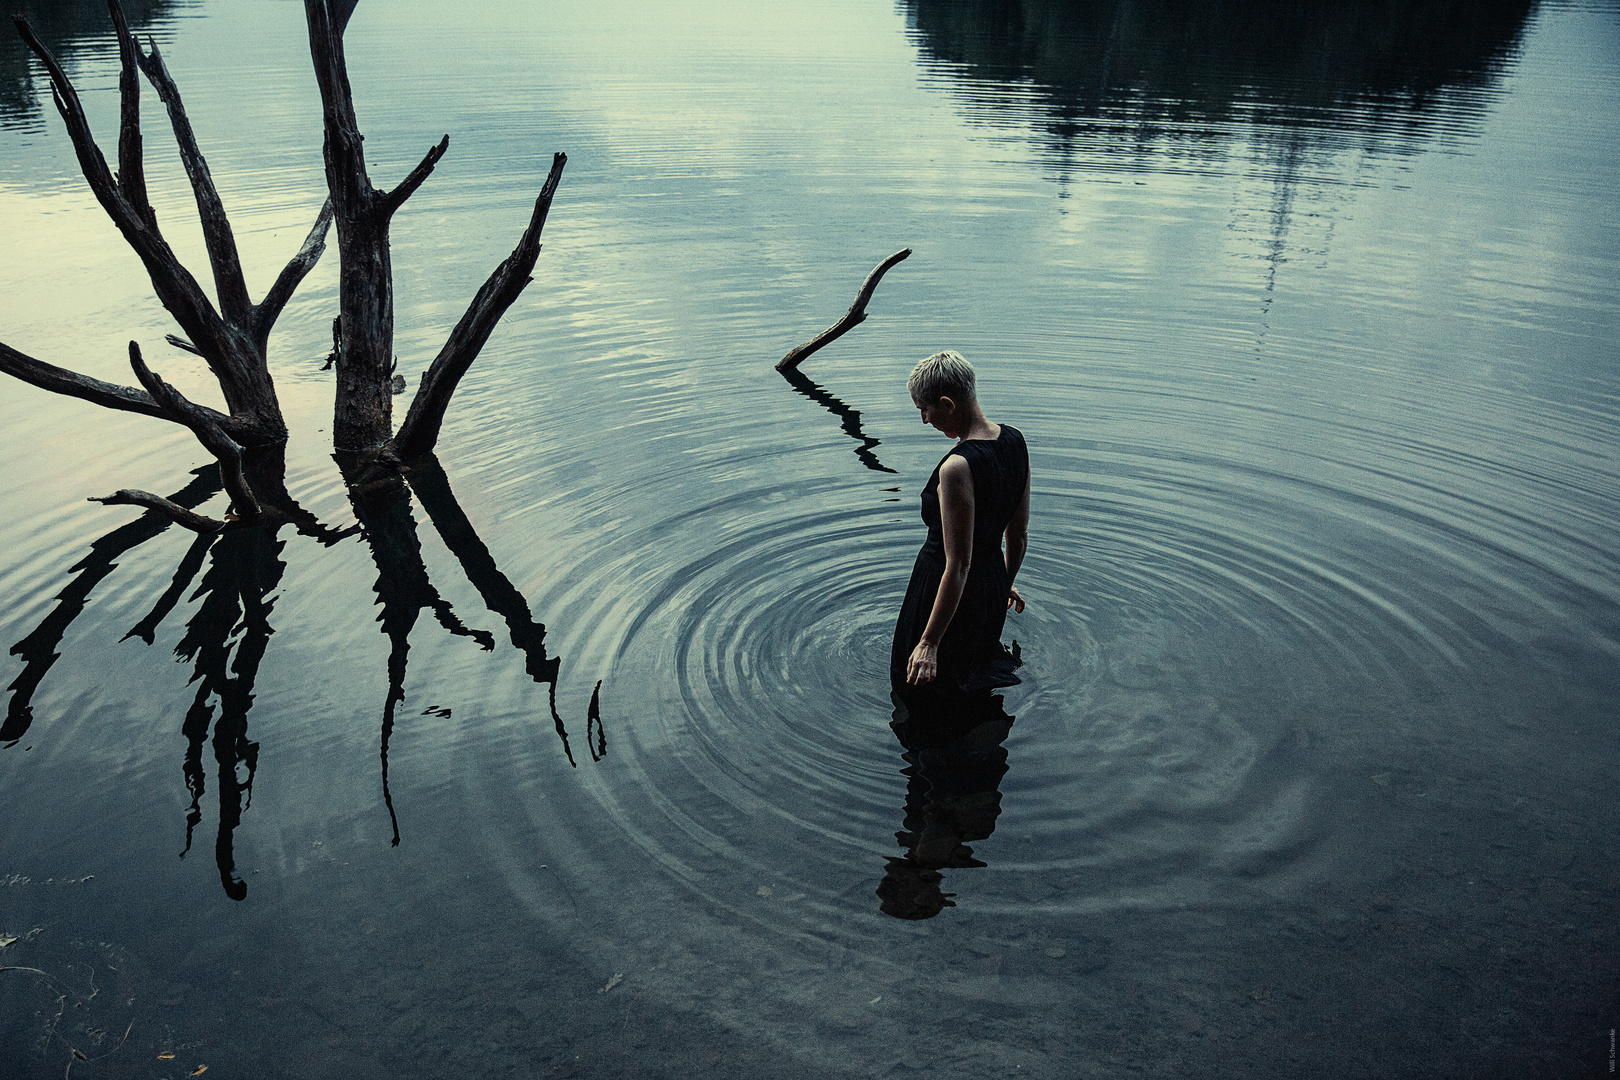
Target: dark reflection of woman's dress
{"points": [[954, 761]]}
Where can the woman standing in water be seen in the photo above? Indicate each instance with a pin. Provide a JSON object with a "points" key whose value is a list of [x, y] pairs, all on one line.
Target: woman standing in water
{"points": [[949, 630]]}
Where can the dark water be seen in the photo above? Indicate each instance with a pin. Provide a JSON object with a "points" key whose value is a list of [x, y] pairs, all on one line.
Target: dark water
{"points": [[76, 32], [578, 760]]}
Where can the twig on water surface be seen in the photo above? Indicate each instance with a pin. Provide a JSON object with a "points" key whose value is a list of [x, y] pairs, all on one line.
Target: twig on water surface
{"points": [[61, 1009]]}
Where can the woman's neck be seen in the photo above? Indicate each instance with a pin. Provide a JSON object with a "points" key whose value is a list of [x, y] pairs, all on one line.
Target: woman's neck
{"points": [[978, 427]]}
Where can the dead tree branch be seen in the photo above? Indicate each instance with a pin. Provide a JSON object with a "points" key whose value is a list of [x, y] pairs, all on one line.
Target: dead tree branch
{"points": [[62, 381], [228, 330], [229, 283], [176, 513], [852, 318], [407, 187], [131, 168], [291, 276], [233, 343], [363, 414], [420, 431], [173, 283], [208, 431], [232, 339], [363, 409]]}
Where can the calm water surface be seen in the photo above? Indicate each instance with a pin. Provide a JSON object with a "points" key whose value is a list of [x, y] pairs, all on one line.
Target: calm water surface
{"points": [[579, 761]]}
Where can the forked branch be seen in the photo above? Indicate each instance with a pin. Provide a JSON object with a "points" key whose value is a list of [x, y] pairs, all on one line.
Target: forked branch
{"points": [[172, 282], [207, 430], [420, 431], [62, 381], [852, 318], [233, 343], [217, 236]]}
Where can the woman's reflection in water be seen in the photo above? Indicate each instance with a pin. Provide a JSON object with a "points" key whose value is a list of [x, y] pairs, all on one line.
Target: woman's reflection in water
{"points": [[954, 760]]}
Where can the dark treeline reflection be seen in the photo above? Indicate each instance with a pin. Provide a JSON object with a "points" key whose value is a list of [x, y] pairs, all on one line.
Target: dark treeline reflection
{"points": [[1120, 76], [229, 630], [69, 27], [954, 764]]}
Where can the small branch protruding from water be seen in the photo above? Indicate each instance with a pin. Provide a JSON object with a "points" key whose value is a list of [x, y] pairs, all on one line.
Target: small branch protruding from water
{"points": [[198, 523], [852, 318]]}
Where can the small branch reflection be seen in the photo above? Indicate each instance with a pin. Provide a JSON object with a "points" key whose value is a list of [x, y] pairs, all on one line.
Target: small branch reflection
{"points": [[850, 417], [184, 574], [430, 484]]}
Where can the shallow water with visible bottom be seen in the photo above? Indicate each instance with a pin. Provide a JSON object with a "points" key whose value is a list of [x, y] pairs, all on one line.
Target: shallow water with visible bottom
{"points": [[578, 761]]}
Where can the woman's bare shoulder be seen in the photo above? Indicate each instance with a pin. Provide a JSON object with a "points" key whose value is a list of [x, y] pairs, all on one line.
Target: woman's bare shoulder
{"points": [[956, 474]]}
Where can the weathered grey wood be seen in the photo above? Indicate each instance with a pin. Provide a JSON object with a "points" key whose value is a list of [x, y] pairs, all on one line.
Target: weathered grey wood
{"points": [[182, 344], [229, 284], [62, 381], [208, 431], [363, 404], [232, 339], [852, 318], [108, 395], [176, 288], [362, 417], [233, 344], [420, 431], [250, 440], [413, 180], [190, 519], [131, 167], [292, 275]]}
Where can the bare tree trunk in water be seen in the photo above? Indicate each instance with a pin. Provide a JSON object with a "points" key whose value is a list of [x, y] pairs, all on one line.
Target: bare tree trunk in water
{"points": [[229, 331], [362, 417]]}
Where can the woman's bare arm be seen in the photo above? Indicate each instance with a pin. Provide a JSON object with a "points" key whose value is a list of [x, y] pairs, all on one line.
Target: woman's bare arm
{"points": [[1017, 536], [956, 522]]}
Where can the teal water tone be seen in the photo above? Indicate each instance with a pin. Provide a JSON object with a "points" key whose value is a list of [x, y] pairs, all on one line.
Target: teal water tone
{"points": [[578, 761]]}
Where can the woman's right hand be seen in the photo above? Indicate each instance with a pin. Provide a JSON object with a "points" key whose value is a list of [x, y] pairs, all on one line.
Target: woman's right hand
{"points": [[1015, 599], [923, 665]]}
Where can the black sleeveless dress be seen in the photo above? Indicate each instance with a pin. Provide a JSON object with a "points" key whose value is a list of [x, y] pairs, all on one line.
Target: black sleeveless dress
{"points": [[971, 656]]}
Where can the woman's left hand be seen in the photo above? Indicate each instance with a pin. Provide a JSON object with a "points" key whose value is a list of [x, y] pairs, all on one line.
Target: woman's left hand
{"points": [[923, 665], [1015, 599]]}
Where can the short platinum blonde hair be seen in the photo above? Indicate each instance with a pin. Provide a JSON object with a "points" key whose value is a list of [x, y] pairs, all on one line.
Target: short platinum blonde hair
{"points": [[945, 374]]}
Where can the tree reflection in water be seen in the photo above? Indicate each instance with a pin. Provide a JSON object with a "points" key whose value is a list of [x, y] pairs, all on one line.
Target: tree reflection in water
{"points": [[1291, 90], [954, 764], [38, 649], [1119, 75], [245, 567], [227, 635], [69, 27]]}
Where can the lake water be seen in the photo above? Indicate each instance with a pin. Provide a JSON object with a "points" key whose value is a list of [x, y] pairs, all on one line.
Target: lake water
{"points": [[579, 763]]}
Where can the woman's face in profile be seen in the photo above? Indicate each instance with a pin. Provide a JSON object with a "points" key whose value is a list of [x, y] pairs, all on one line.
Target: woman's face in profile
{"points": [[940, 415]]}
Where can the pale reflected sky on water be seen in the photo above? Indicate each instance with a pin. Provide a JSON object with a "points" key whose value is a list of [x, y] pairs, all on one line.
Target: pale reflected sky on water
{"points": [[1317, 719]]}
